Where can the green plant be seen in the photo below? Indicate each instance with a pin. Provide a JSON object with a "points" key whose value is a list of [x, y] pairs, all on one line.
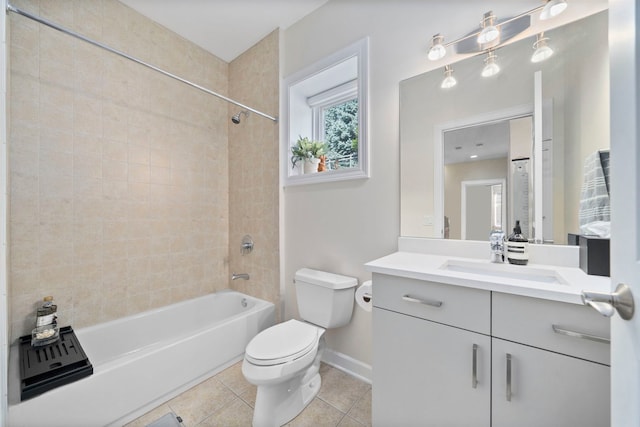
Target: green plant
{"points": [[307, 149]]}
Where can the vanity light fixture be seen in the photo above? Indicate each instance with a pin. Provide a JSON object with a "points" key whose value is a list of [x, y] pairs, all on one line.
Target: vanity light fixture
{"points": [[449, 81], [437, 50], [491, 67], [541, 50], [553, 8], [489, 31], [493, 34]]}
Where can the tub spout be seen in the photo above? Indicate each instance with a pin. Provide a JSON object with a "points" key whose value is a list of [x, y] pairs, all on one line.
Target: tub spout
{"points": [[236, 276]]}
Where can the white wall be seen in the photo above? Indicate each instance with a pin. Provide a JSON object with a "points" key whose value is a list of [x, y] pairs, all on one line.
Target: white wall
{"points": [[340, 226]]}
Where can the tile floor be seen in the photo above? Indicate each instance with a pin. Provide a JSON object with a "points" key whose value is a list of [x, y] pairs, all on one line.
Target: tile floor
{"points": [[227, 400]]}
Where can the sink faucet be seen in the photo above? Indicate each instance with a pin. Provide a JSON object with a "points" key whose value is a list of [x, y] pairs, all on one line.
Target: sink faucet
{"points": [[496, 239], [236, 276]]}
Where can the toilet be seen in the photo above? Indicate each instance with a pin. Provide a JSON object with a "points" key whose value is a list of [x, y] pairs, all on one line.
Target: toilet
{"points": [[283, 361]]}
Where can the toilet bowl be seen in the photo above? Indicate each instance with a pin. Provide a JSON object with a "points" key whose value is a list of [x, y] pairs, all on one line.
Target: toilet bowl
{"points": [[283, 361]]}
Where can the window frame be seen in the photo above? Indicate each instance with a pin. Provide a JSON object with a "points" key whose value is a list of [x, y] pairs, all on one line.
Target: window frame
{"points": [[331, 91], [321, 102]]}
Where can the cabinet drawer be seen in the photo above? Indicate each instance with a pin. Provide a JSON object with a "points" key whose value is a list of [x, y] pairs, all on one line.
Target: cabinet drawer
{"points": [[458, 306], [571, 329]]}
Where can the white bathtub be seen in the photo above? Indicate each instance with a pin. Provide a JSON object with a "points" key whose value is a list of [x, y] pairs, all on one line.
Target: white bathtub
{"points": [[143, 360]]}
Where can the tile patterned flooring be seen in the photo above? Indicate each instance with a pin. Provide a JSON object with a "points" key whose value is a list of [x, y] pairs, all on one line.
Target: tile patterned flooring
{"points": [[227, 400]]}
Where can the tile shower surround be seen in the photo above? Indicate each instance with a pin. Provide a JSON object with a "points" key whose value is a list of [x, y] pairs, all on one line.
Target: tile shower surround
{"points": [[119, 176], [254, 171]]}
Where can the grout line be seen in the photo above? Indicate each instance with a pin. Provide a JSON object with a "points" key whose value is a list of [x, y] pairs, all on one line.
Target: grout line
{"points": [[245, 401], [354, 405], [332, 405]]}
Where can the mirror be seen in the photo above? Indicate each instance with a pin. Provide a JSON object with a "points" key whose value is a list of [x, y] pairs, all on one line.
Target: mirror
{"points": [[496, 116], [485, 156]]}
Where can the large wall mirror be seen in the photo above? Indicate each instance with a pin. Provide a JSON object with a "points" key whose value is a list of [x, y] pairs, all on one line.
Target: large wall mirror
{"points": [[468, 152]]}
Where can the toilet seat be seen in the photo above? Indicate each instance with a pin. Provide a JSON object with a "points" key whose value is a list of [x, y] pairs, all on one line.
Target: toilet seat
{"points": [[283, 343]]}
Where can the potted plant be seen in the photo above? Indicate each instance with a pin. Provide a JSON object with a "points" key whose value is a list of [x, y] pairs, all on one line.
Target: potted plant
{"points": [[308, 152]]}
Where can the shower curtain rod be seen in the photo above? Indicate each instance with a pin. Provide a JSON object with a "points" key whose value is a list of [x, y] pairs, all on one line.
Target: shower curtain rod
{"points": [[11, 8]]}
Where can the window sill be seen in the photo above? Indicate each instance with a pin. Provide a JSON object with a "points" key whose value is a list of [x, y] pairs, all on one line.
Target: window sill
{"points": [[327, 176]]}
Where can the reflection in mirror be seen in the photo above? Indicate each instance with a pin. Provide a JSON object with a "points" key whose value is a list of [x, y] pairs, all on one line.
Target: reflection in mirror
{"points": [[482, 207], [491, 157], [575, 123]]}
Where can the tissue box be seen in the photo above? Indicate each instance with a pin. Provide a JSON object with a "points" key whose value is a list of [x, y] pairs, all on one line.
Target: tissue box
{"points": [[594, 254]]}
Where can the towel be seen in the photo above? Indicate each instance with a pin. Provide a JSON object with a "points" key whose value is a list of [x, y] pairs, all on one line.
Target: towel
{"points": [[595, 209]]}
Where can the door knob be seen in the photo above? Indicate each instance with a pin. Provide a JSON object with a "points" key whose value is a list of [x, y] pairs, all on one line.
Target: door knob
{"points": [[606, 304]]}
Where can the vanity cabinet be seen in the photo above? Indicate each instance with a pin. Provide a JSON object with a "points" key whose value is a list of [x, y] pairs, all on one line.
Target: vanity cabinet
{"points": [[448, 355], [532, 387], [426, 372], [550, 363]]}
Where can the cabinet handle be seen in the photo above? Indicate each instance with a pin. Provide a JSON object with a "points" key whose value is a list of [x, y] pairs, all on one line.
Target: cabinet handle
{"points": [[432, 303], [508, 377], [474, 367], [561, 331]]}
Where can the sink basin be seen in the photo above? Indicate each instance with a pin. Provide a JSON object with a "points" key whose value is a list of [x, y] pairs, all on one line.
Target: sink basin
{"points": [[516, 272]]}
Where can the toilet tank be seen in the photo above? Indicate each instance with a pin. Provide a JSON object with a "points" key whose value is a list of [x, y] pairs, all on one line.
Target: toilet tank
{"points": [[325, 299]]}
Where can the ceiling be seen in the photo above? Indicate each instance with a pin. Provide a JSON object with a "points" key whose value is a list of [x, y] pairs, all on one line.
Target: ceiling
{"points": [[486, 141], [225, 28]]}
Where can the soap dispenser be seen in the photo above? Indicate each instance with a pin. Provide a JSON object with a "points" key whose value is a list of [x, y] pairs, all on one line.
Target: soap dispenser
{"points": [[517, 247]]}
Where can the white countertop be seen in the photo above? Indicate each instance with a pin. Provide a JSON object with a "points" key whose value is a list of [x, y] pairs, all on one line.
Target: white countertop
{"points": [[433, 268]]}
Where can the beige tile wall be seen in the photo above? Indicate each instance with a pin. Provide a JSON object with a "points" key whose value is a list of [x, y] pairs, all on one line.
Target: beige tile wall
{"points": [[119, 176], [253, 172]]}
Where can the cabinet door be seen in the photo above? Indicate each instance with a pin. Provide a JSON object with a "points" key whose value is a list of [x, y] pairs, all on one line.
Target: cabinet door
{"points": [[424, 373], [547, 389]]}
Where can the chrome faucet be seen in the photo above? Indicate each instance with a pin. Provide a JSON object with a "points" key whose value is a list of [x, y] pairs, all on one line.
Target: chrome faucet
{"points": [[496, 239], [247, 245], [236, 276]]}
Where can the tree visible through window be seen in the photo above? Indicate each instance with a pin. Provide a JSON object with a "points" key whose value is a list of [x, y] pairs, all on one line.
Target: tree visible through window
{"points": [[340, 123]]}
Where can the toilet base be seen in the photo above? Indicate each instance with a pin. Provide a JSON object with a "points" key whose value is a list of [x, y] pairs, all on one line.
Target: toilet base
{"points": [[278, 404]]}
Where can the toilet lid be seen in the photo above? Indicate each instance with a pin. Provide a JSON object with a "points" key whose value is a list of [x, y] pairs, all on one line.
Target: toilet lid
{"points": [[282, 343]]}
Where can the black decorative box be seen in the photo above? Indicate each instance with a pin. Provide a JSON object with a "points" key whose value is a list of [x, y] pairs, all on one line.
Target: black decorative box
{"points": [[49, 366], [594, 253]]}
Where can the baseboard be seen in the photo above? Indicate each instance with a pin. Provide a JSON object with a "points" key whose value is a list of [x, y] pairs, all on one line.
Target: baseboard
{"points": [[348, 364]]}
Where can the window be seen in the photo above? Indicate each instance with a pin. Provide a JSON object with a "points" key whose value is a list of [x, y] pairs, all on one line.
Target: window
{"points": [[335, 122], [327, 105]]}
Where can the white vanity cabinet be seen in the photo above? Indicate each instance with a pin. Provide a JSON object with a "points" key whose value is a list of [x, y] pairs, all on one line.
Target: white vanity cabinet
{"points": [[549, 363], [446, 355], [426, 371]]}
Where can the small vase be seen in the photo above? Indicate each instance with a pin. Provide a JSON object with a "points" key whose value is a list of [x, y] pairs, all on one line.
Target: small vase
{"points": [[311, 165]]}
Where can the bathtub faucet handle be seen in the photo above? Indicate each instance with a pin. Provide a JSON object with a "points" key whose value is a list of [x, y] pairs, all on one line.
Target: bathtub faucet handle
{"points": [[247, 245], [236, 276]]}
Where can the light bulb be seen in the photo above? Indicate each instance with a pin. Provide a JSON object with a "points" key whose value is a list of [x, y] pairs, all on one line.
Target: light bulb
{"points": [[437, 50], [553, 8], [542, 51], [489, 31], [449, 81], [491, 68]]}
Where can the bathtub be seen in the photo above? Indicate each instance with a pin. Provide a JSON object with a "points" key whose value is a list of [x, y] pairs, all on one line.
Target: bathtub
{"points": [[143, 360]]}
